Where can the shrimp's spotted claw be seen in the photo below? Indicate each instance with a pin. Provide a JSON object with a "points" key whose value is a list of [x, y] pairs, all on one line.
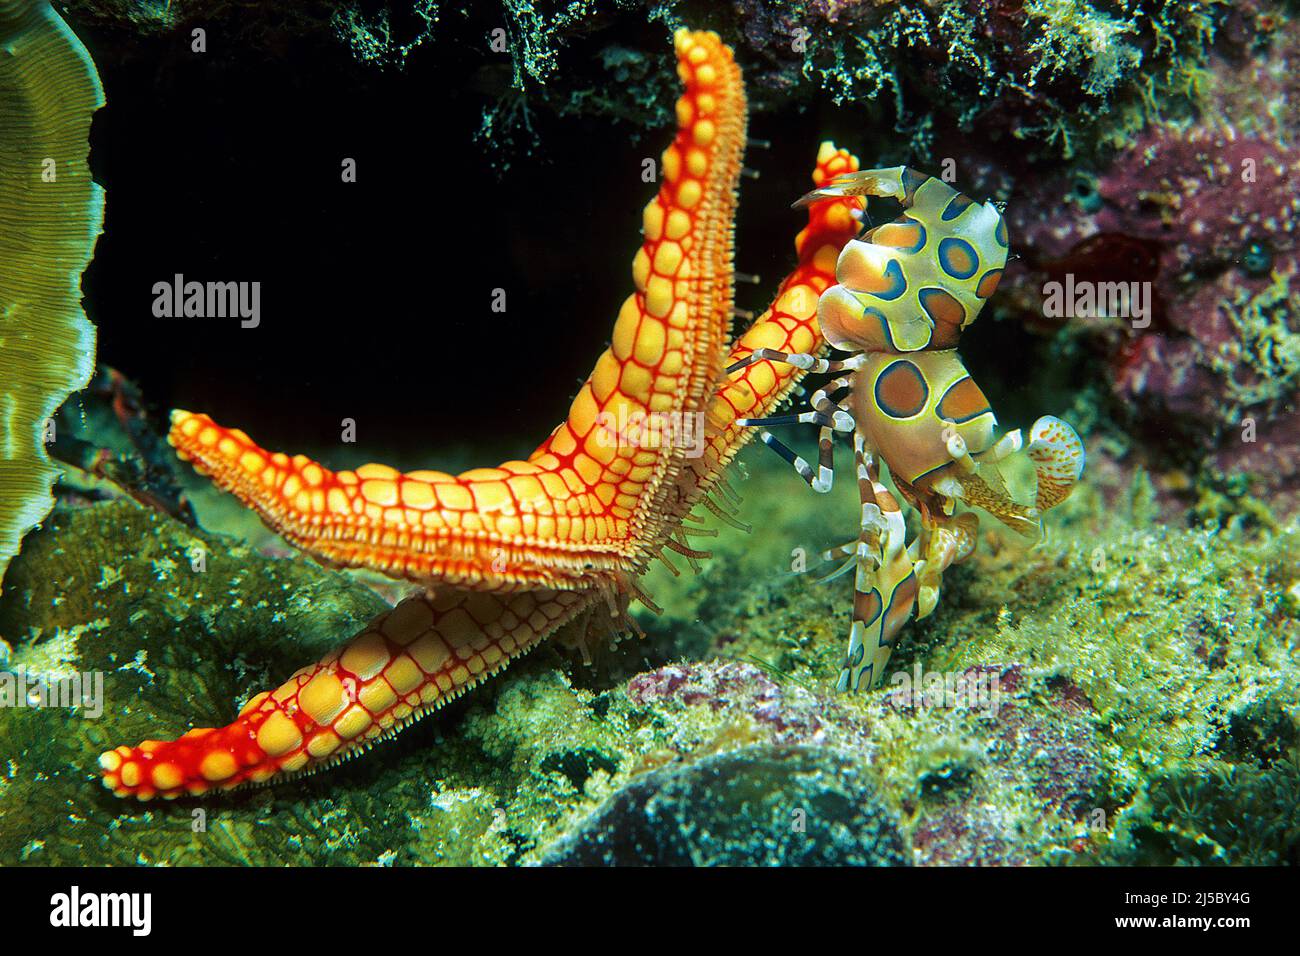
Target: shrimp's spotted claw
{"points": [[1058, 457]]}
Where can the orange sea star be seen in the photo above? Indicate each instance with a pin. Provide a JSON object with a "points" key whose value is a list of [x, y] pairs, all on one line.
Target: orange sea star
{"points": [[508, 556], [582, 506]]}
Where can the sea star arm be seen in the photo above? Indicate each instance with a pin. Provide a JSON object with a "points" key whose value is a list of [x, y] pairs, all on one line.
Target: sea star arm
{"points": [[789, 325], [408, 662], [412, 660], [579, 506]]}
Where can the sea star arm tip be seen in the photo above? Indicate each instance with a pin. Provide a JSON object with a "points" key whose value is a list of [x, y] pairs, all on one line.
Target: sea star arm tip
{"points": [[407, 663]]}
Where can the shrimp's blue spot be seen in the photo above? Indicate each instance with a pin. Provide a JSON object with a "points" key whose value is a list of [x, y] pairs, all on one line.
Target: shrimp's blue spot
{"points": [[957, 205], [897, 284], [958, 258]]}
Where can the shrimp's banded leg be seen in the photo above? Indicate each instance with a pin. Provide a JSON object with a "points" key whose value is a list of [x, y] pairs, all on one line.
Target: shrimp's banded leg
{"points": [[838, 419], [820, 481], [846, 554], [831, 416], [409, 662], [827, 412], [841, 388], [757, 386], [801, 360], [885, 586]]}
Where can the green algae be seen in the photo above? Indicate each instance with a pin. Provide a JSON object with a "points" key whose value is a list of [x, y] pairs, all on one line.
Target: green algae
{"points": [[1262, 365], [174, 646], [1087, 74], [1083, 34], [1063, 76], [372, 37], [1146, 710]]}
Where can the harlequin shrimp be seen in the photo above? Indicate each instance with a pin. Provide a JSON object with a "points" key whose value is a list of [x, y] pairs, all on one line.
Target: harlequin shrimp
{"points": [[906, 290]]}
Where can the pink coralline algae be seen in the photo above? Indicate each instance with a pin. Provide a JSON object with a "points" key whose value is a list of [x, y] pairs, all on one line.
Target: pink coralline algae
{"points": [[1034, 742], [1219, 213], [1042, 744], [1208, 216], [1207, 213], [788, 712]]}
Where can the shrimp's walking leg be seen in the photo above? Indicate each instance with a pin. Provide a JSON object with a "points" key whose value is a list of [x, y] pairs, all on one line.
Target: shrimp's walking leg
{"points": [[831, 416], [885, 587], [804, 360], [820, 481], [945, 541]]}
